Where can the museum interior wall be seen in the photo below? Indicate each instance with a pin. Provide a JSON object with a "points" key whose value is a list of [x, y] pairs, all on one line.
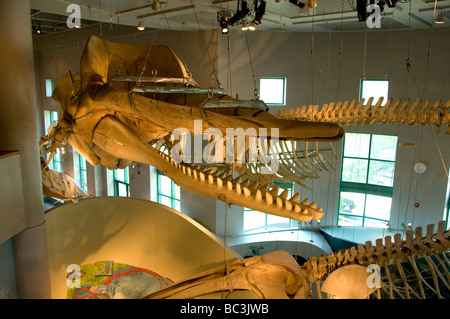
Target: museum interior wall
{"points": [[317, 79], [327, 78]]}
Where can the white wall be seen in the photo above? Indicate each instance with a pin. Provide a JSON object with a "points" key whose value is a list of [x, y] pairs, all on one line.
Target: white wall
{"points": [[288, 54], [324, 77]]}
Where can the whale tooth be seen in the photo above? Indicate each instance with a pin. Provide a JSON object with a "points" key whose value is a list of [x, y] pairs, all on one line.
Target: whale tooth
{"points": [[247, 191], [279, 202], [202, 176], [288, 205], [295, 198], [238, 188], [210, 179], [258, 195], [229, 185], [297, 208], [219, 182], [195, 173], [269, 198], [274, 191], [313, 205], [284, 194], [189, 171], [305, 202]]}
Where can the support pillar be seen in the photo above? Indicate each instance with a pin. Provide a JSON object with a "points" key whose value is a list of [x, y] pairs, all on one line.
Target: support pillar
{"points": [[19, 131]]}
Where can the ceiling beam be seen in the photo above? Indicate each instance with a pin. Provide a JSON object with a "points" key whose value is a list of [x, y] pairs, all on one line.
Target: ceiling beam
{"points": [[166, 11]]}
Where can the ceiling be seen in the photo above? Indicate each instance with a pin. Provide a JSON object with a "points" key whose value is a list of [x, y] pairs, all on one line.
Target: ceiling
{"points": [[192, 15]]}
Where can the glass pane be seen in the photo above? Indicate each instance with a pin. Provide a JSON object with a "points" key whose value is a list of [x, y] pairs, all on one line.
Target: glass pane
{"points": [[374, 223], [383, 147], [176, 191], [177, 205], [347, 220], [378, 207], [48, 87], [381, 173], [122, 190], [357, 145], [272, 90], [165, 200], [254, 220], [273, 220], [164, 185], [352, 203], [354, 170], [375, 89], [119, 175]]}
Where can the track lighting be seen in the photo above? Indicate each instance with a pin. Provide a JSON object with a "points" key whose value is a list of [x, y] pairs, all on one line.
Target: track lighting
{"points": [[440, 18], [141, 26], [297, 3], [240, 13], [252, 26], [259, 12]]}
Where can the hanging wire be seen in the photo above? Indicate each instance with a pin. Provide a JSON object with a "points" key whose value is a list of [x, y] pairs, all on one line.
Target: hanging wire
{"points": [[206, 46], [255, 92], [338, 82]]}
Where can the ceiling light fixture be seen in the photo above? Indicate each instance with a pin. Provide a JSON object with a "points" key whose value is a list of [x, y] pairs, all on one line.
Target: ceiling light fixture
{"points": [[297, 3], [240, 13], [37, 29], [141, 26], [244, 25], [224, 25], [440, 19], [252, 26], [259, 11], [156, 5], [312, 3]]}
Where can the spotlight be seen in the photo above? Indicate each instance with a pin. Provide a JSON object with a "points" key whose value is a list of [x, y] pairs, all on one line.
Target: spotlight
{"points": [[259, 12], [391, 3], [37, 29], [312, 3], [440, 18], [361, 8], [252, 26], [297, 3], [244, 25], [240, 14], [155, 5], [224, 25], [141, 26]]}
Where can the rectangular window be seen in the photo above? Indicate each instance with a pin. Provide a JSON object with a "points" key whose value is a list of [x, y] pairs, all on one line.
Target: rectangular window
{"points": [[258, 221], [375, 89], [48, 87], [82, 172], [121, 182], [367, 180], [272, 91], [49, 118], [168, 191]]}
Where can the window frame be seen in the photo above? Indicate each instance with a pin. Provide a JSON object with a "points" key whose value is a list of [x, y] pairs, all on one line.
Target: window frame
{"points": [[365, 188], [82, 172], [283, 103], [173, 198], [117, 182]]}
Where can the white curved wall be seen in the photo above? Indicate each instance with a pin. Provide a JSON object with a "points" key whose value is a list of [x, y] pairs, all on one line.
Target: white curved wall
{"points": [[133, 231]]}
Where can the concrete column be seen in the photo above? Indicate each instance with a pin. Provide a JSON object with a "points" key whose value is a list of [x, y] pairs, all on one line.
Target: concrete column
{"points": [[19, 131]]}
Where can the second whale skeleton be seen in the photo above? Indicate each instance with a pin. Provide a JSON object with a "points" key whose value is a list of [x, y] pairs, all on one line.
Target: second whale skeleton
{"points": [[127, 101]]}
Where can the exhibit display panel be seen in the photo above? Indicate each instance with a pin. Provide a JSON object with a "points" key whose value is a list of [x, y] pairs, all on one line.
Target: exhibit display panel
{"points": [[129, 231]]}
